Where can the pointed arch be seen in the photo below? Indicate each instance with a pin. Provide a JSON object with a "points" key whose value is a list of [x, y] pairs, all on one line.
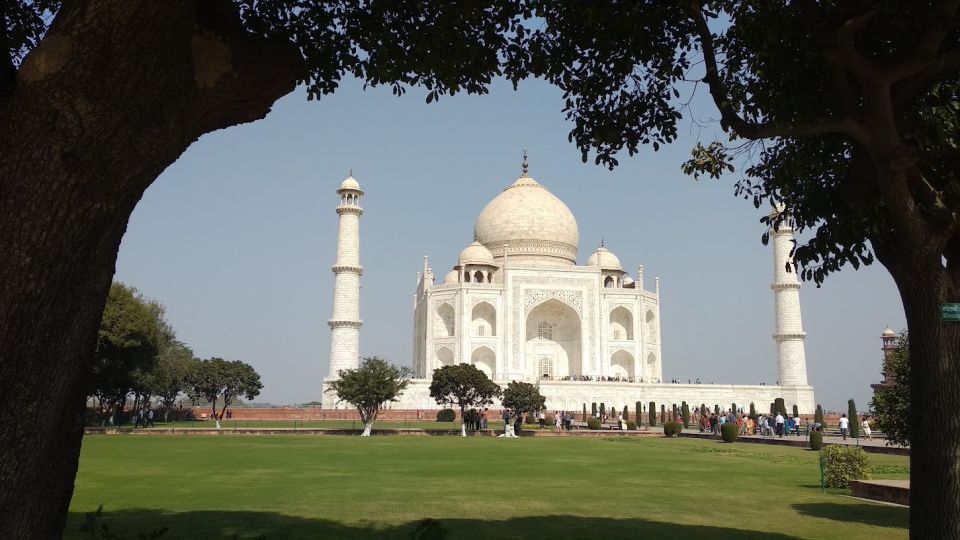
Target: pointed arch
{"points": [[483, 320], [621, 365], [485, 360], [446, 321], [621, 324], [444, 356], [553, 340]]}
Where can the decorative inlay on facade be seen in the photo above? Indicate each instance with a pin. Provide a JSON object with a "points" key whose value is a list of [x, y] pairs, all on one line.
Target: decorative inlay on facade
{"points": [[535, 297]]}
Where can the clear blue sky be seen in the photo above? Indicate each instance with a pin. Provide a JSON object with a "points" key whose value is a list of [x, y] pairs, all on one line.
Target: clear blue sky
{"points": [[237, 237]]}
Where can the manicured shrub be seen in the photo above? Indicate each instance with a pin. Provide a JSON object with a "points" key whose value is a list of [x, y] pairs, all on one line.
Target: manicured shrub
{"points": [[446, 415], [663, 413], [818, 416], [603, 410], [652, 413], [549, 420], [703, 409], [753, 411], [780, 407], [639, 410], [685, 413], [584, 412], [631, 425], [716, 409], [816, 440], [672, 429], [852, 415], [593, 423], [530, 419], [796, 411], [729, 432], [626, 414], [773, 408], [845, 463], [733, 408]]}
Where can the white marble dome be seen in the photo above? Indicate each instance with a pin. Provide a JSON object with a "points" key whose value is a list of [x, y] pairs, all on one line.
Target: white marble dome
{"points": [[476, 253], [350, 183], [531, 224], [605, 259], [889, 332], [452, 277]]}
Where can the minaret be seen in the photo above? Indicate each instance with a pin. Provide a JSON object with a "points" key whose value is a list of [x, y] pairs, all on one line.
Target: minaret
{"points": [[345, 322], [789, 334]]}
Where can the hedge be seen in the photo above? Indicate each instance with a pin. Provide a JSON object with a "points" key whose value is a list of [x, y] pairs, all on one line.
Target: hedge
{"points": [[652, 413], [780, 406], [729, 432], [639, 415], [816, 440], [593, 410], [845, 463], [672, 429], [663, 412], [852, 415], [593, 423], [685, 413], [626, 414], [796, 411], [446, 415], [753, 411], [631, 425], [818, 416], [584, 412]]}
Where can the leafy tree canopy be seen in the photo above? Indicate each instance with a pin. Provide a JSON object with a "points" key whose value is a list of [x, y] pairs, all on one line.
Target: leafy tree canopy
{"points": [[370, 386], [463, 385], [891, 403], [523, 397], [218, 378]]}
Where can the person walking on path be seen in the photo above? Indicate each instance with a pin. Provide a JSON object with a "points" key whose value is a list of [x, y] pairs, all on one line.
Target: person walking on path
{"points": [[779, 425], [844, 426], [865, 426], [149, 422]]}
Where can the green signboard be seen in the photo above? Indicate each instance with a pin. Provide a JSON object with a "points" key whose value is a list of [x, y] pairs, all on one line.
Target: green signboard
{"points": [[950, 312]]}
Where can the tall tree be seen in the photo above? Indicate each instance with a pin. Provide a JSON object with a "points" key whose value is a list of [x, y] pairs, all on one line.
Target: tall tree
{"points": [[97, 98], [843, 112], [465, 386], [891, 403], [524, 398], [375, 383], [171, 375], [127, 344], [218, 379]]}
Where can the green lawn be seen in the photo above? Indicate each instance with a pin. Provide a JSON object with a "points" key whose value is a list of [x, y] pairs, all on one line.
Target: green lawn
{"points": [[347, 487]]}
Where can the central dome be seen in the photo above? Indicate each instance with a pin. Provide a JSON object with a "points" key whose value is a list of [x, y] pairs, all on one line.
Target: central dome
{"points": [[530, 224]]}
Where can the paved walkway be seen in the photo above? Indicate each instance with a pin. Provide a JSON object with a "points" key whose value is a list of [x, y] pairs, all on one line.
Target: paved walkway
{"points": [[801, 440]]}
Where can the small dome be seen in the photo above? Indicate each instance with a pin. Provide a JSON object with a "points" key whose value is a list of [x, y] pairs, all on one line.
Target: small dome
{"points": [[476, 253], [889, 333], [452, 277], [605, 259], [350, 183], [627, 280]]}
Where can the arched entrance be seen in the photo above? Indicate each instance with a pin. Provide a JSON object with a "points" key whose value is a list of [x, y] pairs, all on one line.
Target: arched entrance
{"points": [[484, 359], [621, 365], [553, 341]]}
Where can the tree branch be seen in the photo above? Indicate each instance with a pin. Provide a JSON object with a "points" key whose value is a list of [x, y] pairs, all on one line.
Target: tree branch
{"points": [[940, 20], [845, 51], [909, 88], [731, 119]]}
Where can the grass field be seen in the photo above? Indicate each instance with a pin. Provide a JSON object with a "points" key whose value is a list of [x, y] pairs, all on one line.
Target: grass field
{"points": [[381, 487]]}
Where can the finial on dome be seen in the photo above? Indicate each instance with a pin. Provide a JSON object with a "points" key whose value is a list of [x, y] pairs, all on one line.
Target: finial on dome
{"points": [[350, 173], [525, 165], [601, 242]]}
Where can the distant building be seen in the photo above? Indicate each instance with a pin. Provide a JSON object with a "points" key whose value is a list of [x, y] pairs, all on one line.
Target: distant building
{"points": [[519, 307], [889, 339]]}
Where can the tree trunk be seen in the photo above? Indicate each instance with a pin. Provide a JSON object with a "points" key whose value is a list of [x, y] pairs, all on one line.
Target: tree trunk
{"points": [[114, 93], [934, 394]]}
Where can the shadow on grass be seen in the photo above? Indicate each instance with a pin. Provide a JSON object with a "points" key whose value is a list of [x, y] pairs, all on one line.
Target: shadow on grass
{"points": [[273, 526], [870, 514]]}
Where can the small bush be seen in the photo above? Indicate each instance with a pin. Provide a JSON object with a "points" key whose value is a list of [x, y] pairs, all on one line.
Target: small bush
{"points": [[446, 415], [729, 432], [818, 416], [816, 440], [530, 419], [672, 429], [652, 413], [685, 414], [843, 464], [549, 420], [593, 423], [631, 425]]}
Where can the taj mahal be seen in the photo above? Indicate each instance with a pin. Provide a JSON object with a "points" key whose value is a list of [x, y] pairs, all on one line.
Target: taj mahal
{"points": [[519, 307]]}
